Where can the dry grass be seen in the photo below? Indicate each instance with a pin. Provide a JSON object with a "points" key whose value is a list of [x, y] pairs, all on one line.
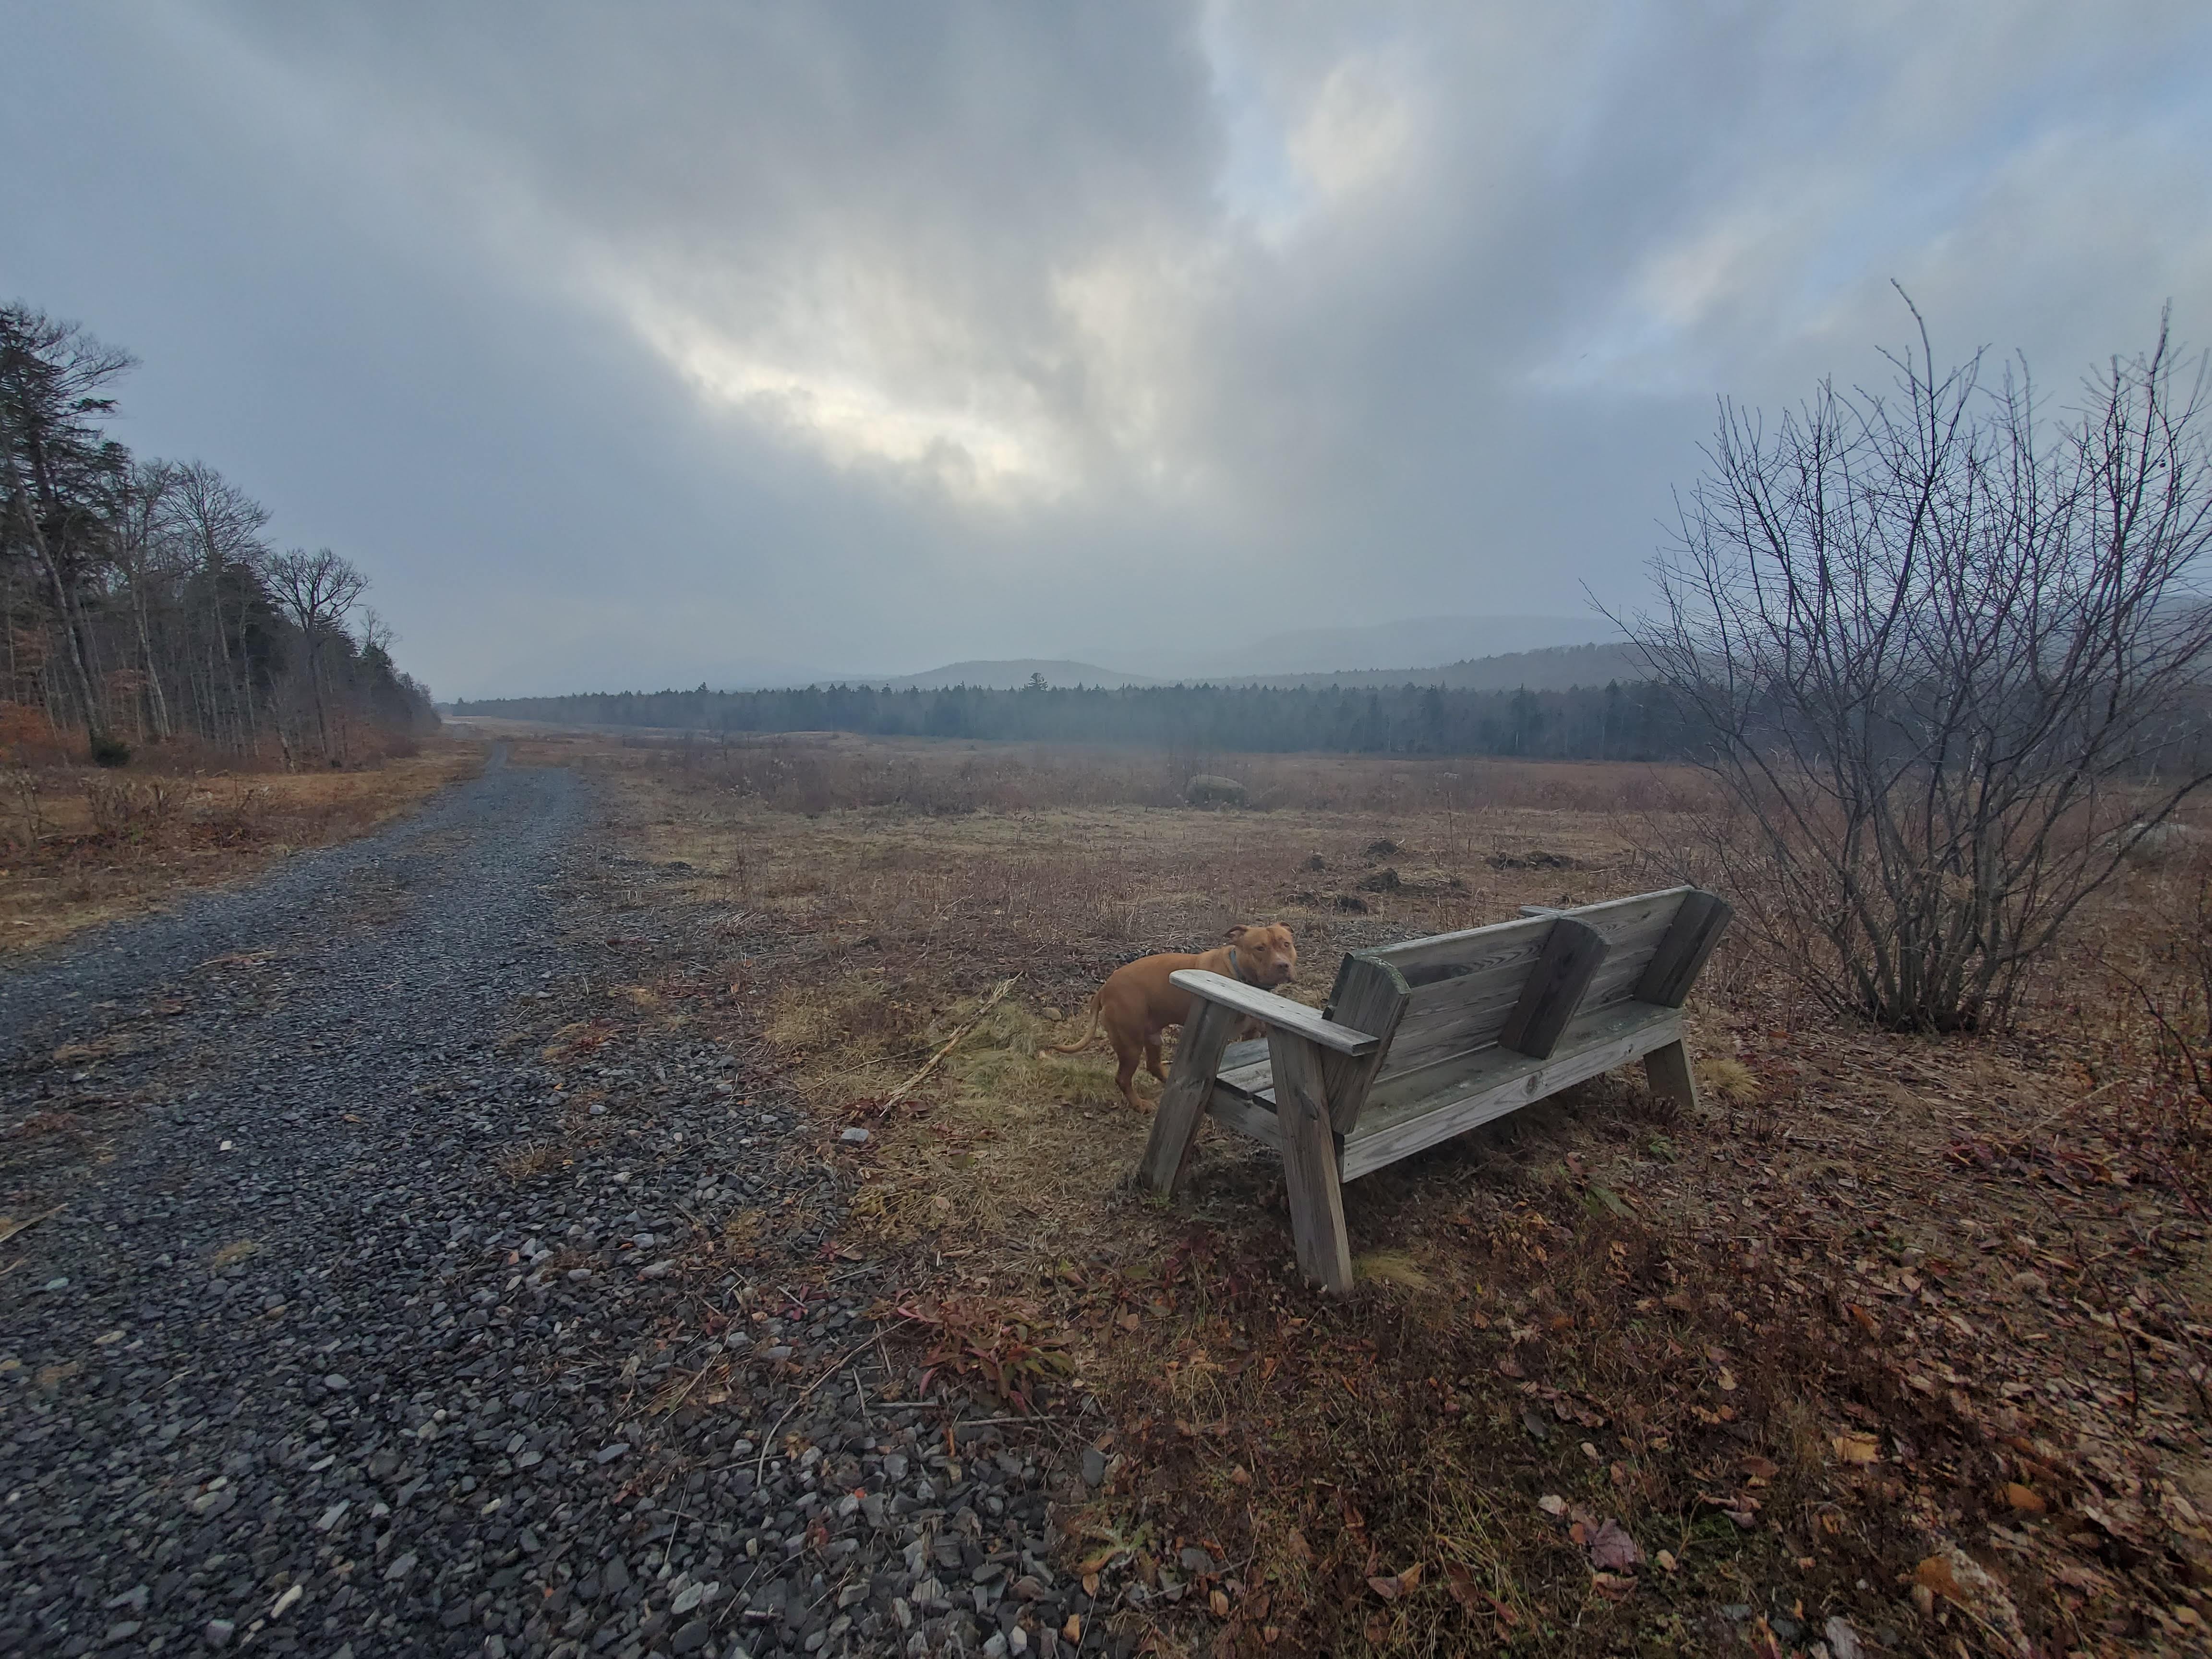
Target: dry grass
{"points": [[80, 846], [1880, 1298], [527, 1163]]}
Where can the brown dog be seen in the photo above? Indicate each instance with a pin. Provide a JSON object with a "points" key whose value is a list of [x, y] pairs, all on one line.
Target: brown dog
{"points": [[1137, 1003]]}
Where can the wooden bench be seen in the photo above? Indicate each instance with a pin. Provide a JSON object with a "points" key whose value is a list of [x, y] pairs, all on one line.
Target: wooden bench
{"points": [[1423, 1041]]}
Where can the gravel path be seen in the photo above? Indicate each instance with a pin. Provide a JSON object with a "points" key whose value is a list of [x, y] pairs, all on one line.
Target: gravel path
{"points": [[353, 1320]]}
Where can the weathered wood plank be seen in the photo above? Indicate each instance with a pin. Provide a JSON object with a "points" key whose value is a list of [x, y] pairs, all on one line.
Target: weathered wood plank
{"points": [[1242, 1113], [1368, 996], [1182, 1102], [1456, 1015], [1431, 966], [1392, 1091], [1572, 954], [1499, 1081], [1502, 970], [1309, 1162], [1253, 1053], [1613, 919], [1277, 1014], [1668, 1073], [1681, 955]]}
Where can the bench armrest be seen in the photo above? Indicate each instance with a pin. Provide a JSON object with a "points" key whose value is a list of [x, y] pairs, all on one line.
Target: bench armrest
{"points": [[1272, 1009]]}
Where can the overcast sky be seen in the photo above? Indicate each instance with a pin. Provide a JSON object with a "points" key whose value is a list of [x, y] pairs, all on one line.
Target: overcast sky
{"points": [[631, 345]]}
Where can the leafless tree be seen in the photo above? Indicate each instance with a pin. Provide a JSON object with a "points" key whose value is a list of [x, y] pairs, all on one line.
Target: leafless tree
{"points": [[55, 466], [1951, 657], [318, 590], [140, 539], [222, 525]]}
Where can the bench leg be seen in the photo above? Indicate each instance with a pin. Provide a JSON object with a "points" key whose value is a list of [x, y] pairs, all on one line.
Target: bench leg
{"points": [[1667, 1070], [1309, 1162], [1184, 1101]]}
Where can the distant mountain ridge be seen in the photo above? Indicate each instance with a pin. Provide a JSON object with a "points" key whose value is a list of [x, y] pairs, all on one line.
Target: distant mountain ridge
{"points": [[1378, 648], [1555, 668], [1009, 674]]}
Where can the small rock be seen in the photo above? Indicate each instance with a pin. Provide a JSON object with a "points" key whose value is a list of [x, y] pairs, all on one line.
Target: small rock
{"points": [[1843, 1641], [608, 1454], [691, 1637], [854, 1136], [217, 1633], [399, 1569], [336, 1383], [1094, 1467], [658, 1270]]}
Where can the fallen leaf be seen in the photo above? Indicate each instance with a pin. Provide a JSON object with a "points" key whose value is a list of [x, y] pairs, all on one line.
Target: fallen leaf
{"points": [[1411, 1576], [1726, 1381], [2024, 1498], [1220, 1603], [1613, 1584], [1759, 1469], [1300, 1548], [1856, 1449], [1666, 1560], [1612, 1550], [1387, 1588], [1551, 1504], [1460, 1583], [1934, 1576], [1862, 1318]]}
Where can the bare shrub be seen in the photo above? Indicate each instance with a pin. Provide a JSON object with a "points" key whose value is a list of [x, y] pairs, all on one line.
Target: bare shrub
{"points": [[132, 811], [1943, 652]]}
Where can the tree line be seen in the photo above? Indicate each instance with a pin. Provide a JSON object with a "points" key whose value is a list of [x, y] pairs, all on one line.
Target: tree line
{"points": [[140, 603], [1630, 721]]}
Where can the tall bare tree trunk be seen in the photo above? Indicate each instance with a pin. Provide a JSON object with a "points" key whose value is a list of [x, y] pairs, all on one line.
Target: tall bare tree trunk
{"points": [[73, 624]]}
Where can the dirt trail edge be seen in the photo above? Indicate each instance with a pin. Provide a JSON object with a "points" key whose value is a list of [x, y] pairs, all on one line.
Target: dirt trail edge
{"points": [[338, 1327]]}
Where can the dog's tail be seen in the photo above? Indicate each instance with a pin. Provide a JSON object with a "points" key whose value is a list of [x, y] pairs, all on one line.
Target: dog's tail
{"points": [[1090, 1029]]}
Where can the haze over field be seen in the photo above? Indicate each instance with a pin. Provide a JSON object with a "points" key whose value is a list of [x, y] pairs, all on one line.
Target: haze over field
{"points": [[644, 346]]}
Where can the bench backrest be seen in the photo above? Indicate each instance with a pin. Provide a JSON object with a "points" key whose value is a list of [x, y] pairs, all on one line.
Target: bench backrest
{"points": [[1516, 983]]}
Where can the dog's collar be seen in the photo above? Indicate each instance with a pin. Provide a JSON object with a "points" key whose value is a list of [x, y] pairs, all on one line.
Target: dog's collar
{"points": [[1237, 968]]}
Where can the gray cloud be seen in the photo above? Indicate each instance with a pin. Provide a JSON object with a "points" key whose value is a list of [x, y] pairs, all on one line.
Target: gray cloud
{"points": [[656, 342]]}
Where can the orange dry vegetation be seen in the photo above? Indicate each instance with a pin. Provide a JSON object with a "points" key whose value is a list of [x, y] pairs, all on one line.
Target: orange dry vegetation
{"points": [[1909, 1333], [80, 845]]}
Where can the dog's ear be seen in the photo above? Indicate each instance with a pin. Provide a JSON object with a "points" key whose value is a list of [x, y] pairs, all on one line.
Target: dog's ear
{"points": [[1237, 933]]}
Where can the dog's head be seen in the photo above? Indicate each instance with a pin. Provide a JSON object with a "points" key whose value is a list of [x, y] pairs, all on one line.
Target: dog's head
{"points": [[1266, 956]]}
